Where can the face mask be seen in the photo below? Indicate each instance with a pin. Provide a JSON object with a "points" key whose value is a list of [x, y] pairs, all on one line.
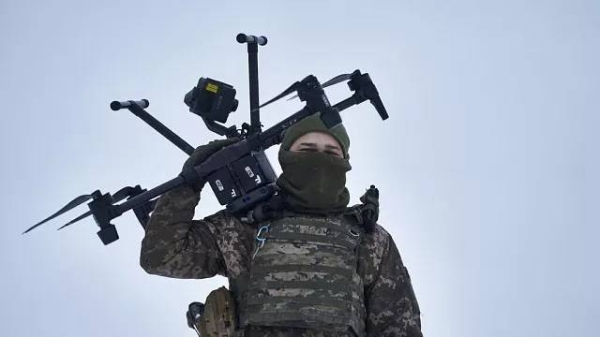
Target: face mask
{"points": [[314, 182]]}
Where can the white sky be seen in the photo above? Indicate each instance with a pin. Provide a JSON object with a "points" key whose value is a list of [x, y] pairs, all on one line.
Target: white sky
{"points": [[487, 166]]}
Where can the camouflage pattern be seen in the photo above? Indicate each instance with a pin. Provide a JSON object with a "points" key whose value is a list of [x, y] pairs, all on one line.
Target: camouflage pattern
{"points": [[177, 246], [304, 274]]}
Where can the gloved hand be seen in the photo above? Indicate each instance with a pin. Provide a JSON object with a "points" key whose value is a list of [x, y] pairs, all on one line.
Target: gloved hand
{"points": [[370, 208], [201, 153]]}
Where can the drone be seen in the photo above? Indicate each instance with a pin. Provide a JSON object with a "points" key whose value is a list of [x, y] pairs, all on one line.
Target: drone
{"points": [[240, 174]]}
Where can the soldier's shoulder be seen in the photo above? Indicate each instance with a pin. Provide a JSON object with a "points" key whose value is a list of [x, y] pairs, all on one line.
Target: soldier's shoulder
{"points": [[378, 236], [223, 218], [373, 248], [225, 221], [380, 231]]}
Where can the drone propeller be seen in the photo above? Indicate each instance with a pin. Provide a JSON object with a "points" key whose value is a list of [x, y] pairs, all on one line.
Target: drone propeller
{"points": [[123, 193], [72, 204], [286, 92], [81, 217], [120, 195], [335, 80]]}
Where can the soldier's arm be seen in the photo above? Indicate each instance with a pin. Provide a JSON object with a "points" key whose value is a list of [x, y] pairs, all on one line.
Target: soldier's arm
{"points": [[174, 245], [392, 308]]}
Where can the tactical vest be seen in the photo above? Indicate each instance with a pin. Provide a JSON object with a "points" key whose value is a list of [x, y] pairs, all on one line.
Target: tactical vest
{"points": [[304, 275]]}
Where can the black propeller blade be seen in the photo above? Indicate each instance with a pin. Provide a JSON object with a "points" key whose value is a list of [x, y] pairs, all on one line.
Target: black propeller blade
{"points": [[82, 216], [286, 92], [336, 80], [123, 193], [72, 204]]}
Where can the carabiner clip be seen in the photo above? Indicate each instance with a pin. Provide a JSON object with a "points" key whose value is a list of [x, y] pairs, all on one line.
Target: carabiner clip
{"points": [[261, 240]]}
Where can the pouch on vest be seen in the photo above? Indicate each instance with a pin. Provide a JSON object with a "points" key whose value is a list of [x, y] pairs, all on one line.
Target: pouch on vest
{"points": [[219, 318]]}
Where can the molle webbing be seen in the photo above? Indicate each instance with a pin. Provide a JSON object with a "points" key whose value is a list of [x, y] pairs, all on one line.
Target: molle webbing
{"points": [[301, 302], [305, 276], [262, 271], [312, 238]]}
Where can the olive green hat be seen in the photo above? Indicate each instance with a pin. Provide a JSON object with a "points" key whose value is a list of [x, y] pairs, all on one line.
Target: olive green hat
{"points": [[313, 123]]}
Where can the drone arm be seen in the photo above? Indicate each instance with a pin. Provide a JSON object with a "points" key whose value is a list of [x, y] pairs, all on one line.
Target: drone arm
{"points": [[348, 102], [137, 108], [269, 137]]}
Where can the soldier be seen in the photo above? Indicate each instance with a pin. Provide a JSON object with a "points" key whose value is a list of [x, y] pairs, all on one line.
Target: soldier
{"points": [[311, 268]]}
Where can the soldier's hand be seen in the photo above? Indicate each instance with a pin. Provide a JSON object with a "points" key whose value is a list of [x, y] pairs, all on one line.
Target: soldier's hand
{"points": [[201, 153]]}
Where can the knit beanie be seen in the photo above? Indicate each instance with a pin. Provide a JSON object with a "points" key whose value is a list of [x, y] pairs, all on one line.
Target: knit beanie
{"points": [[313, 123]]}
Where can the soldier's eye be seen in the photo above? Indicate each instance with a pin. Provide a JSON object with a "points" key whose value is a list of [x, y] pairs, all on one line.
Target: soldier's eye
{"points": [[333, 153]]}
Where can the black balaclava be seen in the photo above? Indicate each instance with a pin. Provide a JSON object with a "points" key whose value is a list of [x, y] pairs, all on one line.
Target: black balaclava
{"points": [[314, 182]]}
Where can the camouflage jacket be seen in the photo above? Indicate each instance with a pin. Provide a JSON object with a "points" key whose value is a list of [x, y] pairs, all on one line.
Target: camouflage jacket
{"points": [[177, 246]]}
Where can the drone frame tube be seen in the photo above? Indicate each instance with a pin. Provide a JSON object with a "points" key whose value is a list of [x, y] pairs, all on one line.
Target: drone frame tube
{"points": [[253, 43], [139, 111], [255, 125]]}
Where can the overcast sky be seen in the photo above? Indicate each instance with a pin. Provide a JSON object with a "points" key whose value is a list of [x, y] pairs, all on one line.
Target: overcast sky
{"points": [[488, 166]]}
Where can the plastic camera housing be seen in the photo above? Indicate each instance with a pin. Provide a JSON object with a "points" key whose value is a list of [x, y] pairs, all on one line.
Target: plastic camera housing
{"points": [[212, 100]]}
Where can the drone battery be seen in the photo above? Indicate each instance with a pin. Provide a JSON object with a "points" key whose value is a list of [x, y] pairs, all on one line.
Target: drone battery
{"points": [[223, 185], [253, 171], [265, 166]]}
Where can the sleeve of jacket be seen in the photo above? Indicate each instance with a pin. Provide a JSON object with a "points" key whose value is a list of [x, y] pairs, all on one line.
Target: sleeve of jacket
{"points": [[392, 308], [175, 245]]}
